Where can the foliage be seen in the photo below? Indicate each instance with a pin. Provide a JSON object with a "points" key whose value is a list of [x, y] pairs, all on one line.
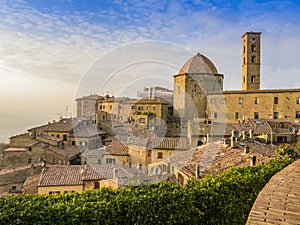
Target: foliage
{"points": [[286, 152], [222, 199]]}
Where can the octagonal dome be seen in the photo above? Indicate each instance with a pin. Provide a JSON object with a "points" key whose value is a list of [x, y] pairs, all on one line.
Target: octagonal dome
{"points": [[198, 64]]}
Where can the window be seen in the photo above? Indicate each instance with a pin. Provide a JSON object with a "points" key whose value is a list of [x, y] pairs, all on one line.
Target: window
{"points": [[253, 59], [142, 120], [73, 142], [275, 116], [140, 108], [252, 79], [256, 100], [57, 135], [275, 100], [65, 137], [223, 100], [110, 161], [153, 108], [149, 154], [240, 101], [85, 104], [298, 114], [133, 107], [236, 115], [110, 107], [96, 184], [147, 108], [159, 155], [100, 107], [30, 149], [103, 107], [244, 49], [212, 101], [297, 100], [253, 48], [256, 116], [29, 161], [83, 143], [215, 115]]}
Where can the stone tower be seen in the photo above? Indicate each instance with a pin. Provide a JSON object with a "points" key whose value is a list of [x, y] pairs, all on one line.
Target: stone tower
{"points": [[195, 80], [251, 61]]}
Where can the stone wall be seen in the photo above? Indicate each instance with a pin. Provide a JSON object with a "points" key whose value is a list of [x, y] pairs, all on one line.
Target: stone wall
{"points": [[13, 179], [242, 104]]}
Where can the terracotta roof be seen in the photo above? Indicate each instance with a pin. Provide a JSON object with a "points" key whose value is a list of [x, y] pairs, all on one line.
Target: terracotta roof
{"points": [[170, 143], [116, 148], [87, 131], [279, 201], [106, 172], [46, 138], [61, 175], [213, 159], [69, 151], [64, 125], [69, 175], [90, 97], [32, 179], [258, 126]]}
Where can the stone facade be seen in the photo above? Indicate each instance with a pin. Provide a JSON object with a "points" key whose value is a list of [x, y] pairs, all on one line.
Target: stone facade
{"points": [[251, 61], [191, 86], [282, 104]]}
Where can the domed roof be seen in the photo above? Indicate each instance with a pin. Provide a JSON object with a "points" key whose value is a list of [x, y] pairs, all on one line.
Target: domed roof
{"points": [[198, 64]]}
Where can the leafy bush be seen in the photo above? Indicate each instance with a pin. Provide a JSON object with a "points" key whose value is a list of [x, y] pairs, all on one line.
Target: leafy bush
{"points": [[222, 199]]}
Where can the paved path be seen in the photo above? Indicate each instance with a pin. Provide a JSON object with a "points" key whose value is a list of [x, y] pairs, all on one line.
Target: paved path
{"points": [[279, 201]]}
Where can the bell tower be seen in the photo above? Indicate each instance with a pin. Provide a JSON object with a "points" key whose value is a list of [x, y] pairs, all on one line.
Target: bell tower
{"points": [[251, 61]]}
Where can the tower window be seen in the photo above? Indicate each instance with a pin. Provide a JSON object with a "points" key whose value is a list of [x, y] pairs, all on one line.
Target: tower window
{"points": [[222, 100], [240, 101], [256, 100], [256, 116], [236, 115], [253, 59], [212, 101], [276, 115], [244, 49], [159, 155], [275, 100], [297, 100], [298, 114], [253, 48], [215, 115], [252, 79]]}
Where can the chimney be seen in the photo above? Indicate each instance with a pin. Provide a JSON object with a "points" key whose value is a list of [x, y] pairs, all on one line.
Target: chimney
{"points": [[251, 134], [197, 172], [115, 173], [244, 135], [246, 149], [253, 161]]}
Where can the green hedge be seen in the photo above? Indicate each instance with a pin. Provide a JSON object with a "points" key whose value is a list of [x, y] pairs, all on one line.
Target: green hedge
{"points": [[222, 199]]}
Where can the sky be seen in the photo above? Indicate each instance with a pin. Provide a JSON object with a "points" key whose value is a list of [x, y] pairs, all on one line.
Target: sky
{"points": [[48, 49]]}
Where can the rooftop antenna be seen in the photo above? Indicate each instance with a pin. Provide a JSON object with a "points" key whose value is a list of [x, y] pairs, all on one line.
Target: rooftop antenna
{"points": [[66, 111], [60, 115]]}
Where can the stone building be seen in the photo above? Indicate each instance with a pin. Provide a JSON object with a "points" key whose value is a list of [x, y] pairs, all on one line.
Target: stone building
{"points": [[199, 96], [252, 102]]}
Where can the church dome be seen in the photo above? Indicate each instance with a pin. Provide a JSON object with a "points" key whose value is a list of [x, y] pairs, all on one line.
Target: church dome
{"points": [[198, 64]]}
